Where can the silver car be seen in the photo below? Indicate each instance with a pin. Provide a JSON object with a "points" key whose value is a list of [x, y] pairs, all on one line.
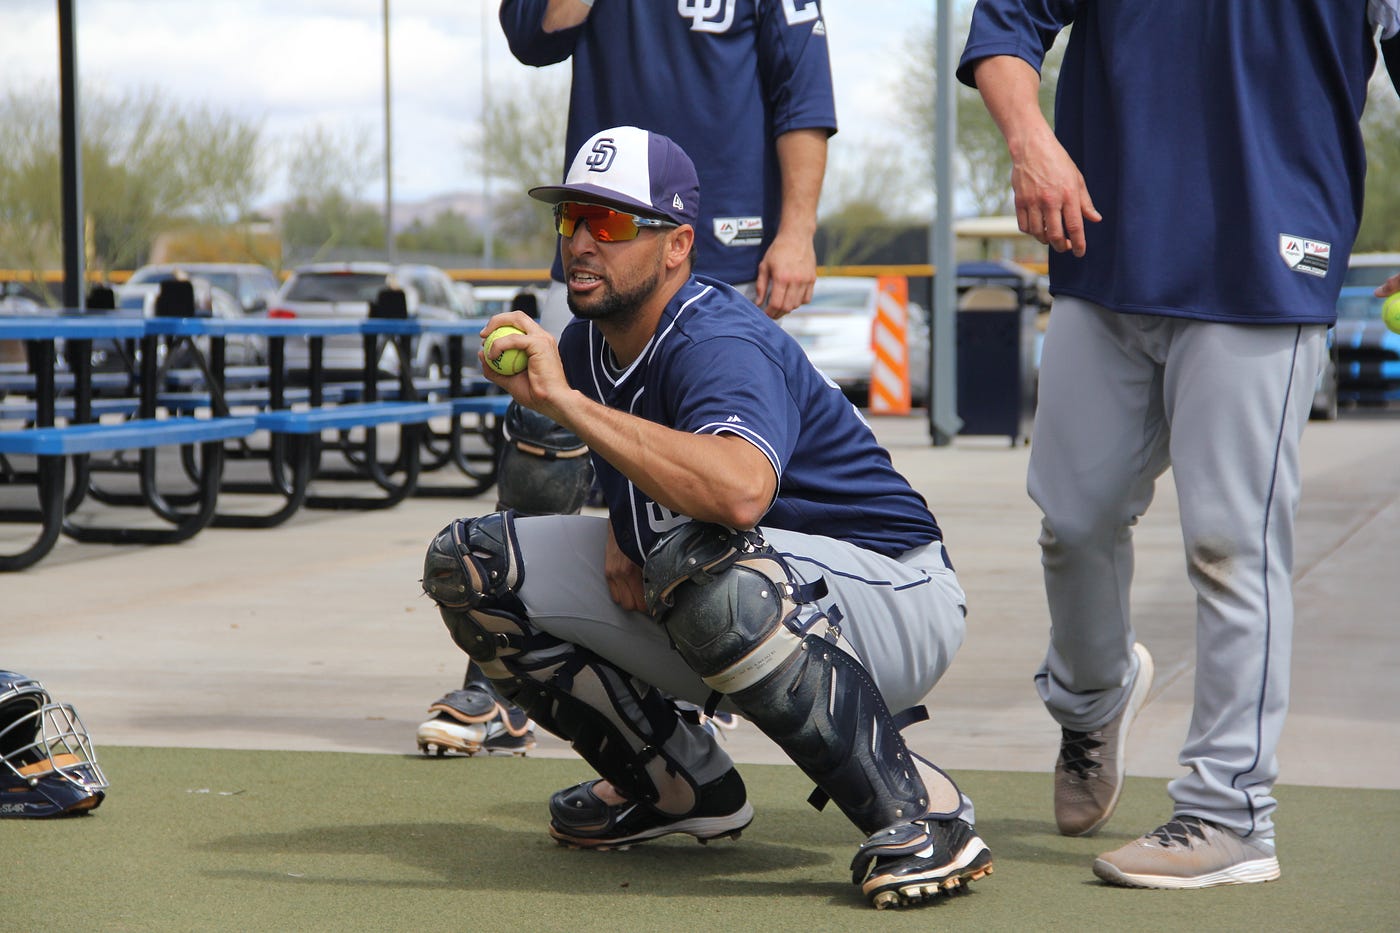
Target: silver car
{"points": [[139, 300], [250, 284], [837, 331], [345, 291]]}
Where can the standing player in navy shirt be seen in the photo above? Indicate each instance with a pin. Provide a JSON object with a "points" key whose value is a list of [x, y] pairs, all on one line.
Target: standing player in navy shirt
{"points": [[744, 86], [760, 554], [1201, 190]]}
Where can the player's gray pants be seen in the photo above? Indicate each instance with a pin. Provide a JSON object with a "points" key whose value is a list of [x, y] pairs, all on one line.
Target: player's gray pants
{"points": [[1123, 396], [904, 618]]}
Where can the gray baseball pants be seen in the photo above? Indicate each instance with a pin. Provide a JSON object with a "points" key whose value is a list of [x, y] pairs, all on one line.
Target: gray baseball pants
{"points": [[903, 617], [1122, 397]]}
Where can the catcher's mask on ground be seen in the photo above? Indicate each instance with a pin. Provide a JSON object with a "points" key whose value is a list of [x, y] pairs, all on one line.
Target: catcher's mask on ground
{"points": [[47, 765]]}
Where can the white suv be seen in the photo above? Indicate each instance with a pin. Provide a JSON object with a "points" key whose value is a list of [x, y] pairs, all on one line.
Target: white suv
{"points": [[345, 290]]}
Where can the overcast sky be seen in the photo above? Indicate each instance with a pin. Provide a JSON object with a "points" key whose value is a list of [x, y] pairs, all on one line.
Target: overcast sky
{"points": [[294, 63]]}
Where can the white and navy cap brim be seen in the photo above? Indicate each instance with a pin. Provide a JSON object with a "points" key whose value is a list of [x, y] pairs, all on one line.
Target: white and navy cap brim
{"points": [[630, 169]]}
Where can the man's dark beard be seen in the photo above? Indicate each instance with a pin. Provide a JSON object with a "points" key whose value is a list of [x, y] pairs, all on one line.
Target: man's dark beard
{"points": [[618, 308]]}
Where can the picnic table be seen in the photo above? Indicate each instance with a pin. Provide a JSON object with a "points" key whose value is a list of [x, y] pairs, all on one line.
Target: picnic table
{"points": [[61, 424]]}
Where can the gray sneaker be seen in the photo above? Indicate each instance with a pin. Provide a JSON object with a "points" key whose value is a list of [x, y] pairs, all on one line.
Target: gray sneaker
{"points": [[1089, 772], [1188, 852]]}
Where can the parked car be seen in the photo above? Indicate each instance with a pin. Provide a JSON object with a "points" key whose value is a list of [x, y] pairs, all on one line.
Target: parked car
{"points": [[139, 300], [1368, 354], [1371, 269], [837, 331], [250, 284], [494, 299], [341, 290]]}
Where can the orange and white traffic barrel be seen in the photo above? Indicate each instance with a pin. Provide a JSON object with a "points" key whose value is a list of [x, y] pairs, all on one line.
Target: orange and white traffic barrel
{"points": [[889, 338]]}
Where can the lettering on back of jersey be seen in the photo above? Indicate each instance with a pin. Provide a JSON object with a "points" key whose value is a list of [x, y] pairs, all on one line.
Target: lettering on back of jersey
{"points": [[708, 15], [801, 11], [1303, 255]]}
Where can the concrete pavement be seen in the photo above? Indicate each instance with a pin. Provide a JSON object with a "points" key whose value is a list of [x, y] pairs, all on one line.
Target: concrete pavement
{"points": [[314, 636]]}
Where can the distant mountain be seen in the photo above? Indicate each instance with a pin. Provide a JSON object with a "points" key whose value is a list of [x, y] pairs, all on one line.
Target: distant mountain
{"points": [[469, 204]]}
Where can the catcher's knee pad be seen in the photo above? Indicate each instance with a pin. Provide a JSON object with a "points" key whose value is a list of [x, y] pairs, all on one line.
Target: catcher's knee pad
{"points": [[473, 571], [544, 468], [731, 608]]}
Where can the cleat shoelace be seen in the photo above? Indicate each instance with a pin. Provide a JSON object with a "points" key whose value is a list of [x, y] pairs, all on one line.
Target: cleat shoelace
{"points": [[1077, 753], [1180, 831]]}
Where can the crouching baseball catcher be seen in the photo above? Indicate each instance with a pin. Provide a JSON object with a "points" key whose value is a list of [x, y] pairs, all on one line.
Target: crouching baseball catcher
{"points": [[760, 555], [746, 622]]}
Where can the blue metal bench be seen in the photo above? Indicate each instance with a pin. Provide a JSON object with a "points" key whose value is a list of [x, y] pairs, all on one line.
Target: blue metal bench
{"points": [[53, 445], [295, 467]]}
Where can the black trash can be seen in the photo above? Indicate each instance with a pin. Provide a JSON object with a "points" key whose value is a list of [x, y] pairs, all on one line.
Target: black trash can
{"points": [[996, 346]]}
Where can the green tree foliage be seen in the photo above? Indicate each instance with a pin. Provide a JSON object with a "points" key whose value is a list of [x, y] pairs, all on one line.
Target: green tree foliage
{"points": [[860, 219], [1380, 125], [147, 162], [982, 163], [328, 173], [448, 232], [521, 145]]}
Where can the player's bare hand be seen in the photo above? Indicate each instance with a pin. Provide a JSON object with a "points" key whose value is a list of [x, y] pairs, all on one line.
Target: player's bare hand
{"points": [[542, 379], [624, 577], [1389, 287], [786, 274], [1052, 200]]}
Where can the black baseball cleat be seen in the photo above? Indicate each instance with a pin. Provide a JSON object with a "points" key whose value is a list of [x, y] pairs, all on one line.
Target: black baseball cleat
{"points": [[904, 864], [580, 820]]}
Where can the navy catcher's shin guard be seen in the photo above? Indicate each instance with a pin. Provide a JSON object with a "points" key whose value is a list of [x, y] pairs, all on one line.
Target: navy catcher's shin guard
{"points": [[727, 601]]}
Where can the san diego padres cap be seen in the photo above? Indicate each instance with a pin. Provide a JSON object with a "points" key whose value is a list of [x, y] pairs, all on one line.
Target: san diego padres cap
{"points": [[634, 170]]}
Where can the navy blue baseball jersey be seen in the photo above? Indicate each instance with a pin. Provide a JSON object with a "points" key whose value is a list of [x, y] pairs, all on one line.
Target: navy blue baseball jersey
{"points": [[717, 364], [1248, 216], [723, 78]]}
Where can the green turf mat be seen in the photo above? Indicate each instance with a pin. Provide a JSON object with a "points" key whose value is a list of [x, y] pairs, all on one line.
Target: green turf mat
{"points": [[201, 840]]}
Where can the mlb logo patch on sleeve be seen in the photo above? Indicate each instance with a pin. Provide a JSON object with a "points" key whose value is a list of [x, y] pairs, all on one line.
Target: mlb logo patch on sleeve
{"points": [[1304, 255]]}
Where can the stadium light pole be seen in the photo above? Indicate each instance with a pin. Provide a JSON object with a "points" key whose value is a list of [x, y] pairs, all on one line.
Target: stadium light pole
{"points": [[488, 228], [388, 148], [943, 421]]}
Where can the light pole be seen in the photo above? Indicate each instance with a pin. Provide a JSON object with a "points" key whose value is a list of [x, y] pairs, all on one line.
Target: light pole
{"points": [[488, 231], [388, 149], [944, 422]]}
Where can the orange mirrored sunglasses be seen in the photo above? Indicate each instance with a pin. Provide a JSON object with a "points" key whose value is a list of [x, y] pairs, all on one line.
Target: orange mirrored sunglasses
{"points": [[605, 224]]}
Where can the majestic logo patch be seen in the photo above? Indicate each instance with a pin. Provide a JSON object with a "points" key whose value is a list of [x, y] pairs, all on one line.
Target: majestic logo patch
{"points": [[739, 231], [1303, 255], [600, 158]]}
